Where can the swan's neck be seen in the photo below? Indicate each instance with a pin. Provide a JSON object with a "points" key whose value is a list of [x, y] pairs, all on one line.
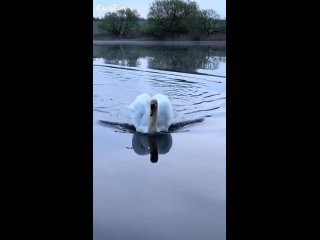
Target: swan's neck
{"points": [[152, 123]]}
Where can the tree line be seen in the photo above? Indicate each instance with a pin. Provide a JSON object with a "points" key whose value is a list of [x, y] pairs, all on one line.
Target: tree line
{"points": [[166, 19]]}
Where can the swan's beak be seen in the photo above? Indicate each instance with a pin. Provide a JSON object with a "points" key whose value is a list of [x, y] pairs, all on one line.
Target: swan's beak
{"points": [[152, 109]]}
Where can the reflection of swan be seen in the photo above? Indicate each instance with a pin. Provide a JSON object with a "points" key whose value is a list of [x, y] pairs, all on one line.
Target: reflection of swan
{"points": [[151, 114], [152, 144]]}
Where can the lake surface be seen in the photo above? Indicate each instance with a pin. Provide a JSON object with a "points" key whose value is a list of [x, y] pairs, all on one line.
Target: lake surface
{"points": [[182, 194]]}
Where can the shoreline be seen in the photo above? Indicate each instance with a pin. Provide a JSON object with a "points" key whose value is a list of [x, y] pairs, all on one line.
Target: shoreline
{"points": [[157, 42]]}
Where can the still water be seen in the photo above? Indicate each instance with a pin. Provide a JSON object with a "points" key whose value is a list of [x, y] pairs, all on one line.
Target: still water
{"points": [[182, 194]]}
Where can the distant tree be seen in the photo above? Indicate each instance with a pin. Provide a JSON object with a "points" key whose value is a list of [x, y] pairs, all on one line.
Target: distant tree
{"points": [[172, 17], [120, 23], [110, 24], [222, 25], [131, 20], [209, 20]]}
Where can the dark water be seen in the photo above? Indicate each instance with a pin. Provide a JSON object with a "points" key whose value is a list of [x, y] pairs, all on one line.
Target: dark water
{"points": [[166, 186]]}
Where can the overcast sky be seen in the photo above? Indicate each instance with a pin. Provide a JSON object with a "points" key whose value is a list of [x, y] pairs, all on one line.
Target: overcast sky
{"points": [[142, 6]]}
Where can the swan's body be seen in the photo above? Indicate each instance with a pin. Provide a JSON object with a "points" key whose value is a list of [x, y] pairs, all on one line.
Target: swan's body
{"points": [[151, 114]]}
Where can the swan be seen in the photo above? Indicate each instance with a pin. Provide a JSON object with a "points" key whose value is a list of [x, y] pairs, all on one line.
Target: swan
{"points": [[151, 115]]}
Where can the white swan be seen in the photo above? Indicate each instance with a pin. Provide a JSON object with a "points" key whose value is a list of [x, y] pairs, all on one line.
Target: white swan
{"points": [[151, 114]]}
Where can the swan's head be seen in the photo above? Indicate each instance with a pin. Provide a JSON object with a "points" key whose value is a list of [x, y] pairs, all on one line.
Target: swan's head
{"points": [[153, 107]]}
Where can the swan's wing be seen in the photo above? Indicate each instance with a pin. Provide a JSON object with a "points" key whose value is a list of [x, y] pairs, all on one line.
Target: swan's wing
{"points": [[140, 112], [164, 118], [139, 104]]}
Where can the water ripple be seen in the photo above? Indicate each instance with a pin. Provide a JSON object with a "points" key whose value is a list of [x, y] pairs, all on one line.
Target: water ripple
{"points": [[115, 87]]}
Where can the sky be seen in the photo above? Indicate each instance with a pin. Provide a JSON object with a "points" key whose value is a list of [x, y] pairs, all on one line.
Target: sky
{"points": [[142, 6]]}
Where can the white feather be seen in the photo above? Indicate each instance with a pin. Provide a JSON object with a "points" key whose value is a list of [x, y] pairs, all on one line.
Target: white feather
{"points": [[140, 108]]}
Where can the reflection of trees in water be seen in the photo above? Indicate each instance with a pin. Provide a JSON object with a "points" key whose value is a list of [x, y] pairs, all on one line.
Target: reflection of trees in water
{"points": [[174, 58], [118, 54], [213, 62], [186, 59]]}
